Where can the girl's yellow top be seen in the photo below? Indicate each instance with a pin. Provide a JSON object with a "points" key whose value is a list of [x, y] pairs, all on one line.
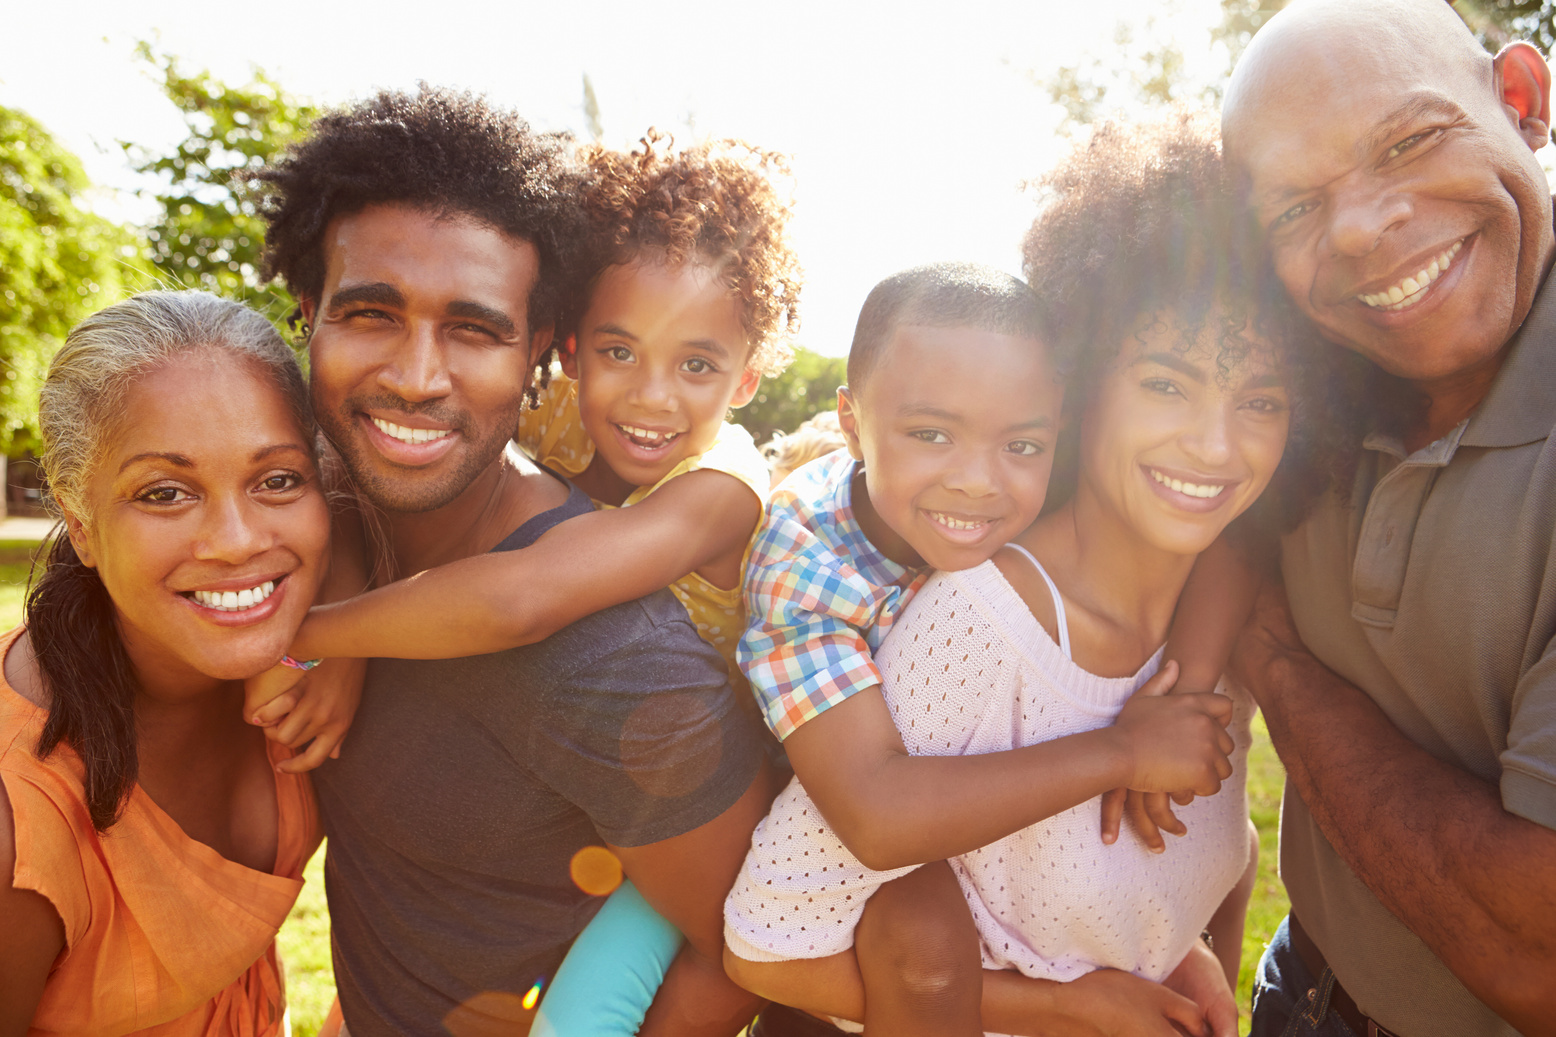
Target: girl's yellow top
{"points": [[553, 434]]}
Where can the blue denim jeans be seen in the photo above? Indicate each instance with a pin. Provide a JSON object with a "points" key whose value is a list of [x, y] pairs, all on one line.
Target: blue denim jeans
{"points": [[1288, 1000]]}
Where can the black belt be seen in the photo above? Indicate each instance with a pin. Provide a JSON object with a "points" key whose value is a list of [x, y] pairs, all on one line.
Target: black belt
{"points": [[1340, 1002]]}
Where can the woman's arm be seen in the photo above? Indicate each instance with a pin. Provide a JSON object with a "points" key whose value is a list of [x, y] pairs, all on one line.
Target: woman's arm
{"points": [[34, 938], [504, 599]]}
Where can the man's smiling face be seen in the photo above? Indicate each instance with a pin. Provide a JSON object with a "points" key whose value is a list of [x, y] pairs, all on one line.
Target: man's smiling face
{"points": [[1391, 164], [420, 350]]}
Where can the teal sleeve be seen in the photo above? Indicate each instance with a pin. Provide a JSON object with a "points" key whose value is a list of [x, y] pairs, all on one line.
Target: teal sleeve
{"points": [[611, 974]]}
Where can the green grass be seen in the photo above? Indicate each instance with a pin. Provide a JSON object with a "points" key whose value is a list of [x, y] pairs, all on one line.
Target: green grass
{"points": [[305, 939]]}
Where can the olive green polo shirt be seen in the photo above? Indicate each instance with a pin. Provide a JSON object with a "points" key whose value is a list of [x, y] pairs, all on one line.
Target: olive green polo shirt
{"points": [[1434, 592]]}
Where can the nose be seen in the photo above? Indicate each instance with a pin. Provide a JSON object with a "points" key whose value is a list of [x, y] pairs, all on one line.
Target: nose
{"points": [[233, 530], [1361, 215], [652, 391], [418, 369], [971, 474], [1208, 440]]}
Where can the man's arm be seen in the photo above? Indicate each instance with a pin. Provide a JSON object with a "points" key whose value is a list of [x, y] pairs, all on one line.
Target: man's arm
{"points": [[686, 879], [1433, 843]]}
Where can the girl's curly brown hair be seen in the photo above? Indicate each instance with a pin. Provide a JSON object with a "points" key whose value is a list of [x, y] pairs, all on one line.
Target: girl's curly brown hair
{"points": [[719, 203], [1141, 226]]}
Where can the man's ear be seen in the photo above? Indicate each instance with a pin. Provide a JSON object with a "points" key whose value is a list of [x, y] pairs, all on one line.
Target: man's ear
{"points": [[848, 421], [745, 392], [539, 342], [308, 306], [1523, 82], [78, 538]]}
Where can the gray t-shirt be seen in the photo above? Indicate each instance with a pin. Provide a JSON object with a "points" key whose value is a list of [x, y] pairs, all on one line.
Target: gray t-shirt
{"points": [[1434, 592], [466, 786]]}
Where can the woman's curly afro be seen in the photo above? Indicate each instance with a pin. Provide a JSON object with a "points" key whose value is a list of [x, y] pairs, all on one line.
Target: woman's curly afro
{"points": [[440, 151], [1141, 226], [717, 202]]}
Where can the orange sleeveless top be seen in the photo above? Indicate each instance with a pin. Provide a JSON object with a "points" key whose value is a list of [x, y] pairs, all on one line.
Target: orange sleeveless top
{"points": [[163, 935]]}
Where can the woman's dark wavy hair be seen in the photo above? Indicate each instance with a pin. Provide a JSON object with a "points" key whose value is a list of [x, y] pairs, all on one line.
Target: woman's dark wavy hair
{"points": [[440, 151], [1141, 224], [71, 622]]}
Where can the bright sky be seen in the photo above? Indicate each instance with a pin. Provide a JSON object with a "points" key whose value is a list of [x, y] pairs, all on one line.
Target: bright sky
{"points": [[911, 126]]}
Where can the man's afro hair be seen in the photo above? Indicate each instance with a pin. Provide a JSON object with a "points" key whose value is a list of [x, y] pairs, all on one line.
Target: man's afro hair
{"points": [[440, 151]]}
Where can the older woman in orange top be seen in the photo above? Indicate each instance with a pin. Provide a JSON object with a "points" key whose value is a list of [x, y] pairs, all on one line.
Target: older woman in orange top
{"points": [[151, 843]]}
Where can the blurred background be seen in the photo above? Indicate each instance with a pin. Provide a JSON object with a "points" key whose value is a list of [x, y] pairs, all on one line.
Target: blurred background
{"points": [[127, 128]]}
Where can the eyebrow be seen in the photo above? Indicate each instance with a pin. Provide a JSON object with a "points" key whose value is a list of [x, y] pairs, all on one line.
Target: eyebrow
{"points": [[383, 294], [926, 410], [1177, 363], [379, 292], [1418, 105], [707, 345], [185, 461]]}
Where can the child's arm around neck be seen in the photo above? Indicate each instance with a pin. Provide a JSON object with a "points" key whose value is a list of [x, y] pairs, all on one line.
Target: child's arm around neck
{"points": [[504, 599]]}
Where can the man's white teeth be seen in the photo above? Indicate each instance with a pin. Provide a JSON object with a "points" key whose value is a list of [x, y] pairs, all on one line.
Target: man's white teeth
{"points": [[1410, 289], [648, 436], [411, 435], [951, 522], [1186, 488], [235, 601]]}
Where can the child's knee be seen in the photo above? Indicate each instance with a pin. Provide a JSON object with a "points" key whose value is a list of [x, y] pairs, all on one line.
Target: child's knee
{"points": [[917, 939]]}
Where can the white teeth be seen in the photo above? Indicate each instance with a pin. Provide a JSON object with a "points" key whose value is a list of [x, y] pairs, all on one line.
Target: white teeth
{"points": [[235, 601], [1187, 488], [956, 523], [410, 435], [1409, 291], [654, 438]]}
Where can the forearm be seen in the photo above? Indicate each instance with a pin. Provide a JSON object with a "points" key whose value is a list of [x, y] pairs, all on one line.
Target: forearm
{"points": [[1212, 611], [899, 810], [1430, 841]]}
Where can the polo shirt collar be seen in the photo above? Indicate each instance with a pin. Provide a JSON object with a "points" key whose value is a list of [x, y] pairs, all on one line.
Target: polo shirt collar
{"points": [[1521, 406]]}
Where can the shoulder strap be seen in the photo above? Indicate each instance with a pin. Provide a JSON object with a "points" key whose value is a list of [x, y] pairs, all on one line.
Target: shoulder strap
{"points": [[1064, 626]]}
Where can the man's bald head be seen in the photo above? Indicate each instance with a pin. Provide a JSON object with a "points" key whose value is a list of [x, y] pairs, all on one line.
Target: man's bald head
{"points": [[1391, 162], [1333, 40]]}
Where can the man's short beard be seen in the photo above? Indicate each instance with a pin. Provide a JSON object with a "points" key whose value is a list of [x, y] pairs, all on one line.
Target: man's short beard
{"points": [[389, 494]]}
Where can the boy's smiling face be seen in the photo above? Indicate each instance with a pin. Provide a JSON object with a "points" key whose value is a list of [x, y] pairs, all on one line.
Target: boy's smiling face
{"points": [[955, 427]]}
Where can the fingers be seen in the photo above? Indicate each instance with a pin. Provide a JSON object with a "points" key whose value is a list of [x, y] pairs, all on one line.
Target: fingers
{"points": [[1140, 820], [1183, 798], [261, 689], [1183, 1012], [1221, 1017], [300, 725], [276, 710], [1112, 814], [1162, 681], [324, 747], [1158, 808]]}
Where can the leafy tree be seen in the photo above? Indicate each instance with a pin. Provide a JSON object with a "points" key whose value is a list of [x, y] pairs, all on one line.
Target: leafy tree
{"points": [[783, 401], [209, 234], [58, 263]]}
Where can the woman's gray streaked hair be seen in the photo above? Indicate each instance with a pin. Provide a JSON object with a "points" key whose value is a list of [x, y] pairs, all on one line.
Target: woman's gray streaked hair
{"points": [[103, 357]]}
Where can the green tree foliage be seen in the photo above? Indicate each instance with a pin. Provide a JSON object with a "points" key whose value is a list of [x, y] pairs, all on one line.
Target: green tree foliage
{"points": [[783, 401], [58, 263], [209, 234]]}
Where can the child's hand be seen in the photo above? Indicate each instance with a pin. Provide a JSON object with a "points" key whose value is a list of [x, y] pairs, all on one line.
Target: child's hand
{"points": [[1176, 742], [317, 707], [1201, 979], [1149, 812]]}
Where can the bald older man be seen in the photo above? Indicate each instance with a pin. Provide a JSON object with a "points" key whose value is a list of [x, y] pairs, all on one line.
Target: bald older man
{"points": [[1410, 684]]}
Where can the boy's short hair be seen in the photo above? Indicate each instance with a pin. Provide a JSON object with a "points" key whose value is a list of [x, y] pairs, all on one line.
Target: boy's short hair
{"points": [[942, 295], [438, 151]]}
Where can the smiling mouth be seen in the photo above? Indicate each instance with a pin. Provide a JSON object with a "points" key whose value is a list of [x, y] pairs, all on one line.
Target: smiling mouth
{"points": [[648, 438], [410, 435], [1409, 291], [1188, 489], [959, 524], [234, 601]]}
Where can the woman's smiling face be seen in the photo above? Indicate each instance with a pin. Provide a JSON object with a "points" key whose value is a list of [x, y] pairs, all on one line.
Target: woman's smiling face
{"points": [[1177, 442], [206, 521]]}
